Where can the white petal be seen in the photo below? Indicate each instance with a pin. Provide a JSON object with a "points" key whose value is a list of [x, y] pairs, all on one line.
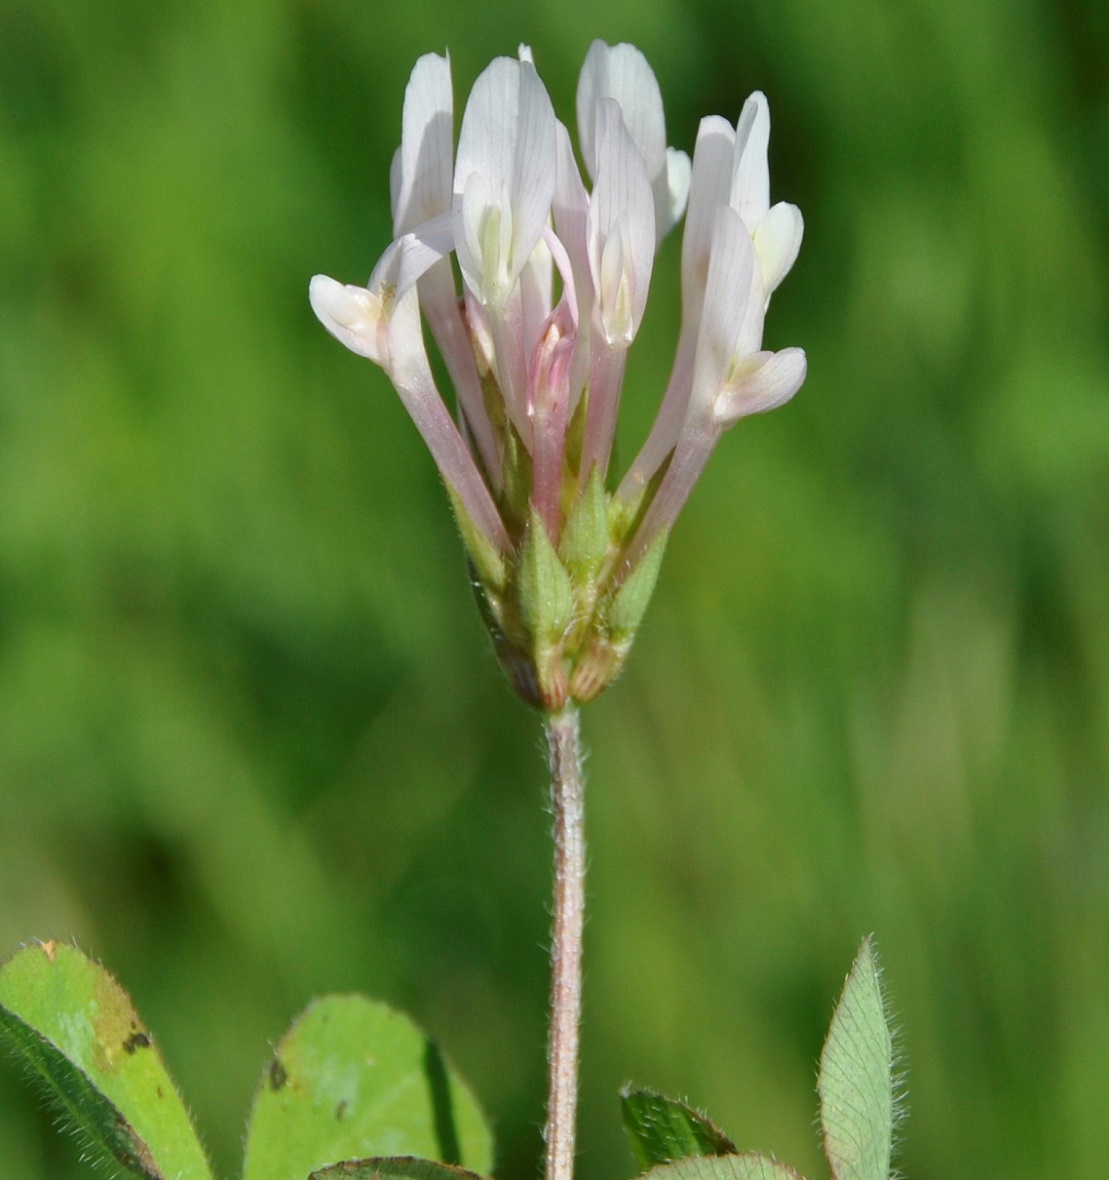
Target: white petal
{"points": [[708, 191], [536, 290], [352, 315], [471, 212], [533, 181], [508, 142], [621, 227], [678, 177], [728, 291], [571, 203], [592, 87], [425, 170], [750, 331], [410, 257], [561, 260], [622, 72], [751, 178], [396, 181], [777, 241], [763, 381]]}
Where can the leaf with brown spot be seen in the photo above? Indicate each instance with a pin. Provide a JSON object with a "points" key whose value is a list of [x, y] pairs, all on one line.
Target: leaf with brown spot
{"points": [[352, 1079], [75, 1028]]}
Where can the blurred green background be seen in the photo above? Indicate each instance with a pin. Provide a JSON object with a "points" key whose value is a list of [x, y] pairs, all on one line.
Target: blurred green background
{"points": [[253, 743]]}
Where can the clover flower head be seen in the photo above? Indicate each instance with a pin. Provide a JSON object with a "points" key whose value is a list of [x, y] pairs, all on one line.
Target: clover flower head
{"points": [[534, 320]]}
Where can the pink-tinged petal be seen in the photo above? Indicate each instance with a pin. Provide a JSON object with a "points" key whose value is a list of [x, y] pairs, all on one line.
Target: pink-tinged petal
{"points": [[548, 408], [439, 300], [606, 376], [751, 178], [507, 143], [620, 229], [762, 381], [570, 206], [708, 192], [571, 211], [511, 354], [732, 276], [410, 372], [691, 453], [352, 315], [426, 168], [621, 72], [565, 267], [777, 243], [536, 291]]}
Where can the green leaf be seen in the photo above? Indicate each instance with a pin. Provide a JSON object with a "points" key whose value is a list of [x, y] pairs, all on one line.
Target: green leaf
{"points": [[74, 1026], [856, 1078], [662, 1129], [403, 1167], [353, 1079], [749, 1166]]}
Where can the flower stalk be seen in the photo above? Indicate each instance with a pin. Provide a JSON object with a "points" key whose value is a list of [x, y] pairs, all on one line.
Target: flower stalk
{"points": [[567, 806]]}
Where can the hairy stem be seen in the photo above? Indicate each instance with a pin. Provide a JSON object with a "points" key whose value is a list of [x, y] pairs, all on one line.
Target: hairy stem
{"points": [[567, 786]]}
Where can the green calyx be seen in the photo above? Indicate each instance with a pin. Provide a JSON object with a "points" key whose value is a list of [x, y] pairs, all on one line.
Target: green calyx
{"points": [[563, 617], [545, 591]]}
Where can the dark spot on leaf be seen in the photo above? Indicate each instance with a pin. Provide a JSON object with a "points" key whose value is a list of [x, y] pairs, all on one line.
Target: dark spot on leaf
{"points": [[278, 1074], [137, 1040], [341, 1111]]}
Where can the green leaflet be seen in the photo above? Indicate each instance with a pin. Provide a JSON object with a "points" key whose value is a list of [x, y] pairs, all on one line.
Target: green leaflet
{"points": [[857, 1106], [75, 1027], [749, 1166], [662, 1129], [393, 1168], [353, 1079]]}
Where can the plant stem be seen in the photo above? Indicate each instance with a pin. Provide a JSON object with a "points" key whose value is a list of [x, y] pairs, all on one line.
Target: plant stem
{"points": [[567, 785]]}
